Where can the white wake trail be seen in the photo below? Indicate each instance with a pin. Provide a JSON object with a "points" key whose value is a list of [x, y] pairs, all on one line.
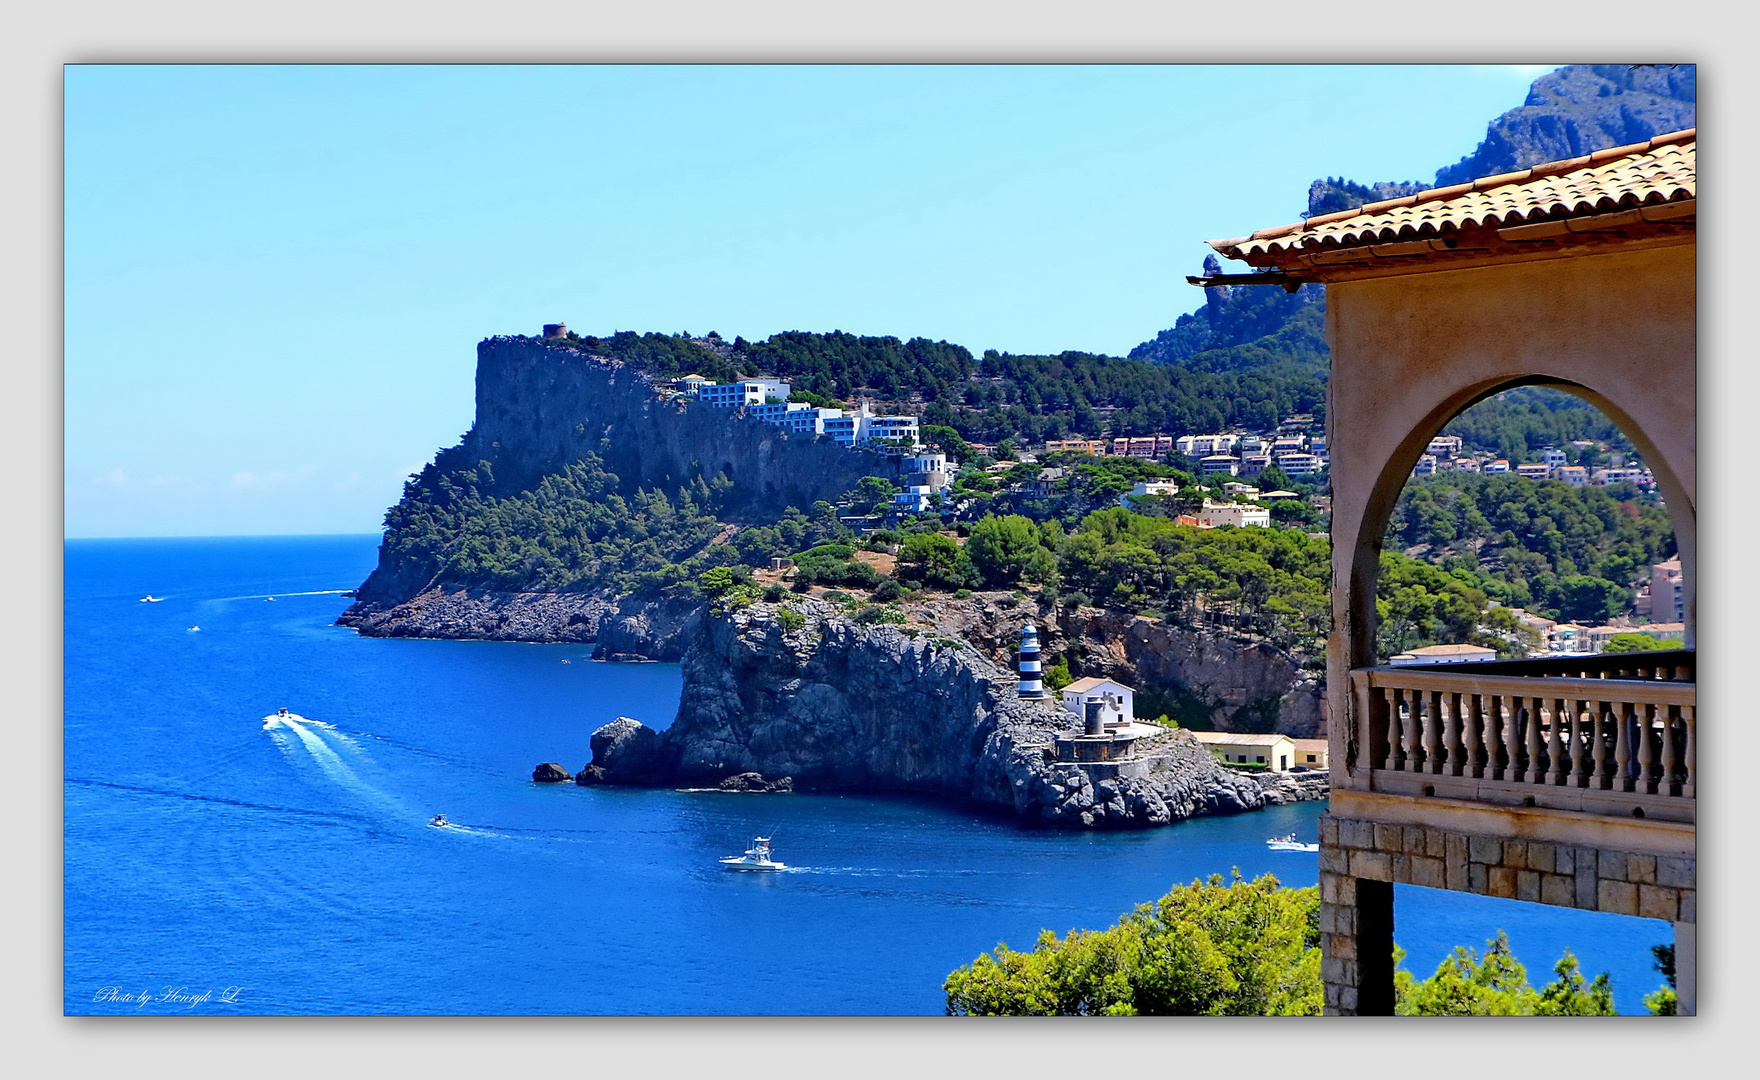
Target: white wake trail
{"points": [[328, 760]]}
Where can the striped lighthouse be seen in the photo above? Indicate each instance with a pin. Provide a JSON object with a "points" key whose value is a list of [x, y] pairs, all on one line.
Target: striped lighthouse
{"points": [[1031, 687]]}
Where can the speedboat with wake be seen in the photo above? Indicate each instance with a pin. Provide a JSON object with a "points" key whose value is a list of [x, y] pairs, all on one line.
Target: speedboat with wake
{"points": [[757, 857], [439, 822], [1289, 843], [151, 599]]}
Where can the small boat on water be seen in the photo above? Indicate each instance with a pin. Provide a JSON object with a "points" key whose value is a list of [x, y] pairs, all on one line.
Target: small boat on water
{"points": [[439, 821], [1289, 843], [151, 599], [757, 857]]}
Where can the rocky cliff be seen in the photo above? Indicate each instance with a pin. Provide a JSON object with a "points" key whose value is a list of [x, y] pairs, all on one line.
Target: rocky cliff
{"points": [[541, 405], [1212, 679], [837, 706], [622, 628]]}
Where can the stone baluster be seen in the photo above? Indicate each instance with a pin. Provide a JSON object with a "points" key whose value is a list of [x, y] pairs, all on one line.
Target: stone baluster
{"points": [[1598, 727], [1646, 751], [1557, 755], [1413, 730], [1396, 732], [1472, 717], [1451, 732], [1579, 776], [1622, 749], [1534, 773], [1690, 788], [1512, 741], [1670, 784], [1434, 703]]}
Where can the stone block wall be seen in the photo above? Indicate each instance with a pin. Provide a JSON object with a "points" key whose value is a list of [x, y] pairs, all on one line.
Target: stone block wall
{"points": [[1594, 879]]}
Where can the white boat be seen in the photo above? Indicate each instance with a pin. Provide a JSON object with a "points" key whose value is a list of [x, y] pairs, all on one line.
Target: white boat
{"points": [[151, 599], [1289, 843], [757, 857], [439, 821]]}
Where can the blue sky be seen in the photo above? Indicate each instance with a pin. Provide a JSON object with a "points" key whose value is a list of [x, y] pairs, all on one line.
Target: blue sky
{"points": [[276, 276]]}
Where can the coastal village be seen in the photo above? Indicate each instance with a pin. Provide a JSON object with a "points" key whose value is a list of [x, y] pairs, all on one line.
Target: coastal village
{"points": [[1296, 447]]}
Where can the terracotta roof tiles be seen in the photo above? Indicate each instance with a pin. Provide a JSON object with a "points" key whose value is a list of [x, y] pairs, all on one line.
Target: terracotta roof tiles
{"points": [[1642, 178]]}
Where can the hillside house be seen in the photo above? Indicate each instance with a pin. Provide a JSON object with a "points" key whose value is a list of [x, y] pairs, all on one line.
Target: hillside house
{"points": [[1277, 753]]}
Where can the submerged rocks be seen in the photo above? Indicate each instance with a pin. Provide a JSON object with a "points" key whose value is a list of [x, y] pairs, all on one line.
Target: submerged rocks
{"points": [[551, 773], [751, 781]]}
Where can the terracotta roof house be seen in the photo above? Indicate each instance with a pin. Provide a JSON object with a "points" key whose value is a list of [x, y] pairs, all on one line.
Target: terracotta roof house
{"points": [[1569, 779]]}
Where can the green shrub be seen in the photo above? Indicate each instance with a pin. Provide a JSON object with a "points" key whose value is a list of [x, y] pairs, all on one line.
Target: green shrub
{"points": [[789, 619], [879, 613], [1204, 949]]}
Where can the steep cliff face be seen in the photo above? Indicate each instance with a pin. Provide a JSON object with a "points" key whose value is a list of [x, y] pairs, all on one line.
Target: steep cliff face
{"points": [[1246, 687], [1236, 686], [541, 406], [841, 707]]}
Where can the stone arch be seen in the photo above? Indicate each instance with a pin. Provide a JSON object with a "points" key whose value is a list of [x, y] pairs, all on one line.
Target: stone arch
{"points": [[1377, 510]]}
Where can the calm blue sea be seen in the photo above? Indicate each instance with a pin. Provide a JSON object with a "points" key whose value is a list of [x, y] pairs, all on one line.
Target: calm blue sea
{"points": [[217, 864]]}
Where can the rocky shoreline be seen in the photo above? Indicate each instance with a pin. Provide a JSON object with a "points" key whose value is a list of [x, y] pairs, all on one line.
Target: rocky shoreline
{"points": [[620, 629], [832, 705]]}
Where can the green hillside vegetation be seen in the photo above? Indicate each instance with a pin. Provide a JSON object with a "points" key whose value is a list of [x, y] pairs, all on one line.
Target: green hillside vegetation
{"points": [[1247, 948], [574, 532], [1570, 553]]}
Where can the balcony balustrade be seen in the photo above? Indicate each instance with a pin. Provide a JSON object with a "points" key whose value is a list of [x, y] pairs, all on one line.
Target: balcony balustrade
{"points": [[1596, 734]]}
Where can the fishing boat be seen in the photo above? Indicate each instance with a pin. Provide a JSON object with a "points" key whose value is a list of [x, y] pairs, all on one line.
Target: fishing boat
{"points": [[1289, 843], [757, 857]]}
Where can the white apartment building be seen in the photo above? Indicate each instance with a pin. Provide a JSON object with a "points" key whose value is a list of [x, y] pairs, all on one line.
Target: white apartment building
{"points": [[1534, 470], [1145, 488], [776, 412], [902, 429], [1574, 475], [1299, 464], [1552, 458], [1200, 446], [1603, 477], [1444, 446], [1240, 515], [739, 394], [1425, 466], [1218, 464], [1498, 466]]}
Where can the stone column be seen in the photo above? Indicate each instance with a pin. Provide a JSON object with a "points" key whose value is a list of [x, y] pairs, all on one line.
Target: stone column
{"points": [[1356, 933], [1686, 968]]}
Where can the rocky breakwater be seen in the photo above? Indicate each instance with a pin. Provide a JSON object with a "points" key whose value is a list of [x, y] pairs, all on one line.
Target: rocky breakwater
{"points": [[834, 705]]}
